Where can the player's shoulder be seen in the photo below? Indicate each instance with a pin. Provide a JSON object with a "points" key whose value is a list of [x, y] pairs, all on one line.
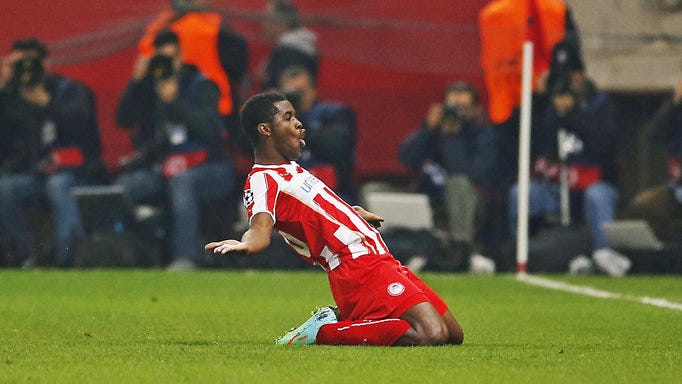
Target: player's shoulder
{"points": [[261, 173], [283, 172]]}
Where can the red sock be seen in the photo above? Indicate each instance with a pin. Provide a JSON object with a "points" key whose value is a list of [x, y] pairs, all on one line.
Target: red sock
{"points": [[362, 332]]}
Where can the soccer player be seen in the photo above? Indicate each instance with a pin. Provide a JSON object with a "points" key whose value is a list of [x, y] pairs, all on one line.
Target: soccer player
{"points": [[380, 302]]}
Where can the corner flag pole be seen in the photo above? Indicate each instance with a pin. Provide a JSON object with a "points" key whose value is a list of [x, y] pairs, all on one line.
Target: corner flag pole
{"points": [[524, 160], [524, 149]]}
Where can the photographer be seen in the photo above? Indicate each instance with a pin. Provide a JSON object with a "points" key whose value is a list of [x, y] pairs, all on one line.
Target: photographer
{"points": [[172, 110], [454, 155], [51, 144], [208, 42]]}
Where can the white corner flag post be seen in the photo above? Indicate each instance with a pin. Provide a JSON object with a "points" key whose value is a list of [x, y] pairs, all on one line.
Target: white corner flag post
{"points": [[524, 160]]}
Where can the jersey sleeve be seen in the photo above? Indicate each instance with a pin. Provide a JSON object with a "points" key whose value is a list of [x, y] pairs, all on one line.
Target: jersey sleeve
{"points": [[260, 195]]}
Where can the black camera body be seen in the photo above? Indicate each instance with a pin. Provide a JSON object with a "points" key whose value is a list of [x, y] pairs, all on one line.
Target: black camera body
{"points": [[161, 68], [28, 72], [453, 112]]}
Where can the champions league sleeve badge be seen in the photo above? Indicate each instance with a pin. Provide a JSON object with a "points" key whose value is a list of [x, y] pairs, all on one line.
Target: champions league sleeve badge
{"points": [[248, 197]]}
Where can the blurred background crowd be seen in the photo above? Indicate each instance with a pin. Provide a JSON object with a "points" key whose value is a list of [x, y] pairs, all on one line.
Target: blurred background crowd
{"points": [[120, 142]]}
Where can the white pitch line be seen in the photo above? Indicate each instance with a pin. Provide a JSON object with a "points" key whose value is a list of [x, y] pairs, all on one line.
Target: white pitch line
{"points": [[593, 292]]}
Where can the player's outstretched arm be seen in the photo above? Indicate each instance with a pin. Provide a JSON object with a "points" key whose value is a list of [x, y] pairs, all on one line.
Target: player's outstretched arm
{"points": [[254, 240], [372, 218]]}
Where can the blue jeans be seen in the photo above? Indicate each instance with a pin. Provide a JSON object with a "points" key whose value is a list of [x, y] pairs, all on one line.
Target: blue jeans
{"points": [[599, 205], [209, 181], [18, 190]]}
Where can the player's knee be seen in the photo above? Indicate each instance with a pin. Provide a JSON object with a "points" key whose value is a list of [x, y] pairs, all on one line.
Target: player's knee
{"points": [[457, 336], [434, 334]]}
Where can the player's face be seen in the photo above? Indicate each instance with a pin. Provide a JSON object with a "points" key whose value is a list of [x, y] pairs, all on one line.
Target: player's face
{"points": [[287, 131]]}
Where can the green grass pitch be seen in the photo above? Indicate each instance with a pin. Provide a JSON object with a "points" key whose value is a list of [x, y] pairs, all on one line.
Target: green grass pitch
{"points": [[219, 326]]}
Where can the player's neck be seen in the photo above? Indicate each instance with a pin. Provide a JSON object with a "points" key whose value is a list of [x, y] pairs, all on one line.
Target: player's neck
{"points": [[264, 156]]}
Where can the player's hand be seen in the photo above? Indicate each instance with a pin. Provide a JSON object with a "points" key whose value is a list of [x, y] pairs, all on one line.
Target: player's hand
{"points": [[373, 219], [225, 246]]}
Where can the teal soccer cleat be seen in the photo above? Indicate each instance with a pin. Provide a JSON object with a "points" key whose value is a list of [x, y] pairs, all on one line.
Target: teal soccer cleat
{"points": [[306, 333]]}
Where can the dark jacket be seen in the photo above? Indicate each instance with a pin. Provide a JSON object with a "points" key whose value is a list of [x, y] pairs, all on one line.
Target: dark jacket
{"points": [[331, 133], [471, 152], [31, 133], [593, 126], [234, 54], [666, 128], [188, 124]]}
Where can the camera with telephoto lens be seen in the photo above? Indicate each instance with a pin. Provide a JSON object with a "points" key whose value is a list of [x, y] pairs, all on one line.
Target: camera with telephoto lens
{"points": [[161, 68], [28, 72], [453, 112]]}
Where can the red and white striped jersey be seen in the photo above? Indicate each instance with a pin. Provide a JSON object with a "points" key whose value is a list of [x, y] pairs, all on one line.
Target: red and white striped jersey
{"points": [[311, 218]]}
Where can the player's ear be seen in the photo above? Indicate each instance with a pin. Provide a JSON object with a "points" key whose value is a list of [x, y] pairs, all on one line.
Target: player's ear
{"points": [[264, 129]]}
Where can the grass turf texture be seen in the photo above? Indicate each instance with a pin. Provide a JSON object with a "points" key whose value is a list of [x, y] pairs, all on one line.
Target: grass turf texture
{"points": [[219, 326]]}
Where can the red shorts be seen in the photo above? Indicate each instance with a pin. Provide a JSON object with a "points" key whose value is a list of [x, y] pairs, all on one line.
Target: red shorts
{"points": [[376, 287]]}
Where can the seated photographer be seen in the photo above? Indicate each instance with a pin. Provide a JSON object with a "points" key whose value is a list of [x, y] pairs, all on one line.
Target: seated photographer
{"points": [[209, 43], [330, 132], [454, 155], [172, 112], [582, 125], [51, 143]]}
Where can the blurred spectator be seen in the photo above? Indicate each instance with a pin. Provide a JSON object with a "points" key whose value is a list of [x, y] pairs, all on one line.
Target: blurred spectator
{"points": [[210, 44], [330, 132], [295, 45], [661, 206], [178, 152], [454, 153], [566, 61], [581, 122], [51, 143]]}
